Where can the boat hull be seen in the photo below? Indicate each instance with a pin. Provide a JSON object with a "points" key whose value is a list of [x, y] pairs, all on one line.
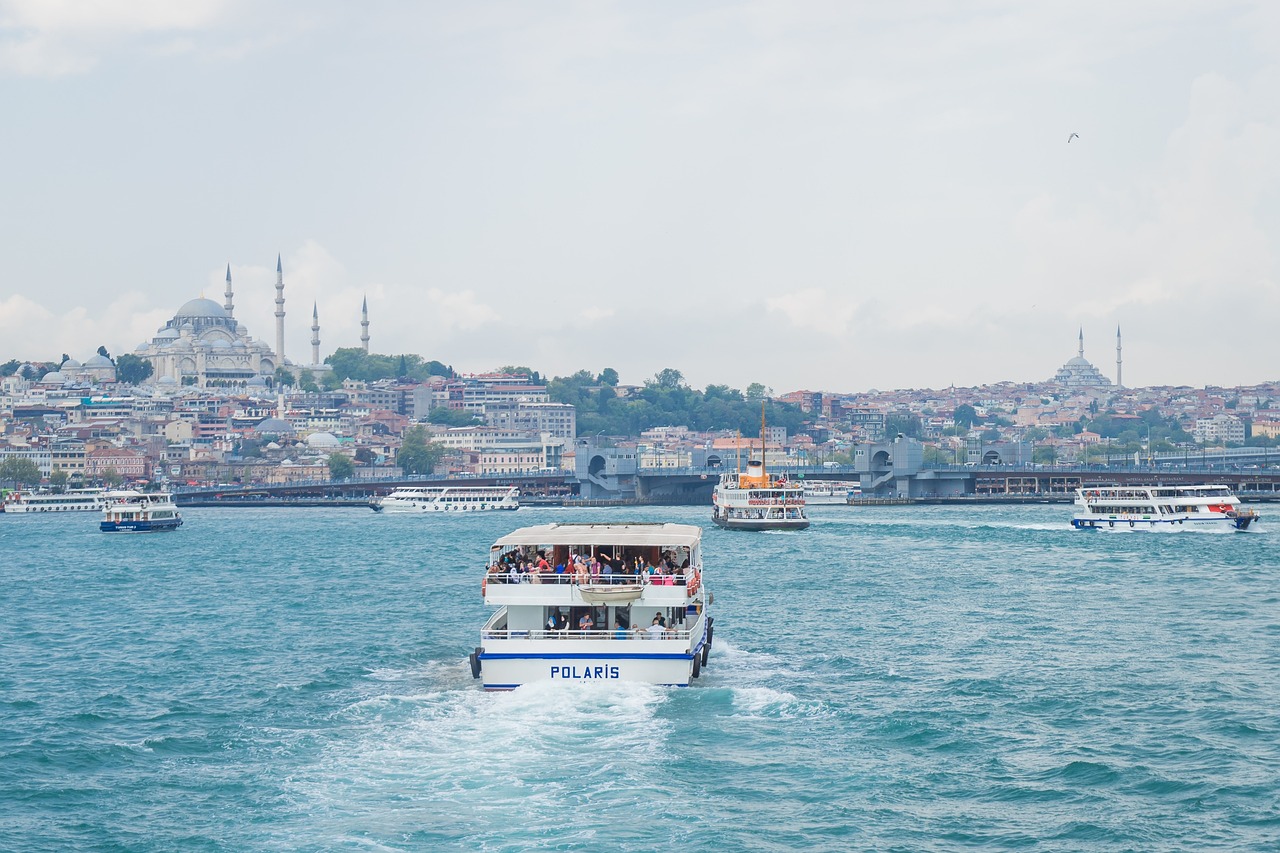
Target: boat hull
{"points": [[761, 523], [502, 671], [1184, 523], [140, 526]]}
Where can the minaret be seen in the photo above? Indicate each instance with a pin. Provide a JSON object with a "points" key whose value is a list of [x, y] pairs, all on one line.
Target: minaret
{"points": [[315, 334], [1119, 362], [1081, 353], [228, 304], [279, 312], [364, 324]]}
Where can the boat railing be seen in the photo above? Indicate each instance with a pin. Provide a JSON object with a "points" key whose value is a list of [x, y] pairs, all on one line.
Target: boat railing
{"points": [[568, 579], [556, 634]]}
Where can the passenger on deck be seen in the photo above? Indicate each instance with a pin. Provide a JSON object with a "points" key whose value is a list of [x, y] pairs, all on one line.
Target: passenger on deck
{"points": [[656, 630], [620, 632], [586, 623]]}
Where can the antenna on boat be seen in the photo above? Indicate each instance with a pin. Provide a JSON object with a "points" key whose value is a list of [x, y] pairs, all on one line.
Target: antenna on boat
{"points": [[738, 453]]}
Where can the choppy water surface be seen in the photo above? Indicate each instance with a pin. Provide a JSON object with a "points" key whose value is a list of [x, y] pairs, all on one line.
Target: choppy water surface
{"points": [[895, 678]]}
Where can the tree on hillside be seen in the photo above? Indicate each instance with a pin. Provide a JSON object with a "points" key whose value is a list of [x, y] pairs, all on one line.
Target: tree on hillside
{"points": [[9, 367], [905, 423], [668, 378], [340, 466], [102, 351], [608, 376], [965, 415], [451, 417], [58, 479], [307, 382], [284, 376], [111, 478], [757, 392], [131, 370], [19, 471], [417, 454]]}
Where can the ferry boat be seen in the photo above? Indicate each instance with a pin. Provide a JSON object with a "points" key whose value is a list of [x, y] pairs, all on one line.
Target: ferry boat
{"points": [[828, 492], [72, 500], [448, 499], [595, 602], [1160, 507], [139, 512]]}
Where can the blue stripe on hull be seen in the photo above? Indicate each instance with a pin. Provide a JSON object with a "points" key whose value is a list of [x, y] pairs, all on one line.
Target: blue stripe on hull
{"points": [[585, 656], [139, 526]]}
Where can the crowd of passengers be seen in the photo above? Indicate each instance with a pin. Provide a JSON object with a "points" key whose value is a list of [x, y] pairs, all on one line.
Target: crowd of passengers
{"points": [[601, 568]]}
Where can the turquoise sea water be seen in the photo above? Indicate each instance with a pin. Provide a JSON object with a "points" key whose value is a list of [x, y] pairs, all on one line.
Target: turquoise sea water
{"points": [[895, 678]]}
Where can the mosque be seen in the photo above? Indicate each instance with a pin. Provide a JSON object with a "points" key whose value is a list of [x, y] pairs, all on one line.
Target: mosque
{"points": [[1079, 373], [204, 345]]}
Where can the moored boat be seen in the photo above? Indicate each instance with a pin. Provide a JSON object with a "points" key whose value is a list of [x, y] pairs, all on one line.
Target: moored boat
{"points": [[419, 499], [1160, 508], [139, 512], [828, 492], [72, 500], [595, 602]]}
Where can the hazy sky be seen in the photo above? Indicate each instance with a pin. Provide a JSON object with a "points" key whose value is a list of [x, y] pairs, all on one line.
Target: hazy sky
{"points": [[831, 195]]}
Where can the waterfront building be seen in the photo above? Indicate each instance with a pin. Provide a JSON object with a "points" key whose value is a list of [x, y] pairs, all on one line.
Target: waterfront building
{"points": [[1219, 429]]}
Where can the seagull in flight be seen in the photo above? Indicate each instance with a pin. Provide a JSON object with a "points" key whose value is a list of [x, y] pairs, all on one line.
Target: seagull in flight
{"points": [[1071, 137]]}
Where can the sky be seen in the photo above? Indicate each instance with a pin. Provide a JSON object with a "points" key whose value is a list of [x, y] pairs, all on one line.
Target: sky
{"points": [[821, 195]]}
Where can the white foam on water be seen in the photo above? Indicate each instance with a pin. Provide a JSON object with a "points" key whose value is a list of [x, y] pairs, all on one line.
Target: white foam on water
{"points": [[422, 760]]}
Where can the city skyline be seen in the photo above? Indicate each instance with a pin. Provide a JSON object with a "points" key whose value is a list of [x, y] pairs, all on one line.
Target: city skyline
{"points": [[747, 192]]}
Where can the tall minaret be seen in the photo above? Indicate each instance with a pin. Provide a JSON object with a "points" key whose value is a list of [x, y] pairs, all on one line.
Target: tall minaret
{"points": [[1081, 353], [1119, 375], [315, 334], [228, 304], [364, 324], [279, 312]]}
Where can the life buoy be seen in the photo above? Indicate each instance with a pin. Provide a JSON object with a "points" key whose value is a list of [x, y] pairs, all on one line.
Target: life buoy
{"points": [[694, 583], [484, 587]]}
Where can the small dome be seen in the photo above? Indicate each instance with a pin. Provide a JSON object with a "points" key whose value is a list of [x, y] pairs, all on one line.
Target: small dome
{"points": [[220, 344], [166, 380], [142, 347], [322, 439], [182, 343], [99, 361], [54, 376], [201, 308], [168, 334], [257, 382], [70, 364], [238, 345]]}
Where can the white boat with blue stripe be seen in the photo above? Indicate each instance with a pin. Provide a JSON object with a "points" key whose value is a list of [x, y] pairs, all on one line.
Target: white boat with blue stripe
{"points": [[139, 512], [595, 602], [1200, 507]]}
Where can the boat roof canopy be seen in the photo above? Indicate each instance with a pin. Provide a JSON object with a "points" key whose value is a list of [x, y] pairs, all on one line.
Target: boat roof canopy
{"points": [[603, 534]]}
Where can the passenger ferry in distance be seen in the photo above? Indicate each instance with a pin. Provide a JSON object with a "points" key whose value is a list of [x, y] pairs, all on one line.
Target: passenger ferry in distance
{"points": [[828, 492], [72, 500], [595, 602], [1160, 507], [139, 512], [418, 499]]}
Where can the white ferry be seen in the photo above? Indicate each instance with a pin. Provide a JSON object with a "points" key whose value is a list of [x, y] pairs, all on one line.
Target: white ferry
{"points": [[449, 499], [1159, 507], [595, 602], [139, 512], [72, 500], [828, 492]]}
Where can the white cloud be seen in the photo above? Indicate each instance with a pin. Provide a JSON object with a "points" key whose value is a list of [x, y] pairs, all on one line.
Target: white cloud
{"points": [[814, 310], [52, 38]]}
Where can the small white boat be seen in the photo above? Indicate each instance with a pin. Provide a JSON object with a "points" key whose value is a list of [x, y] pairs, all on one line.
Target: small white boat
{"points": [[72, 500], [418, 499], [1160, 508], [616, 625], [139, 512]]}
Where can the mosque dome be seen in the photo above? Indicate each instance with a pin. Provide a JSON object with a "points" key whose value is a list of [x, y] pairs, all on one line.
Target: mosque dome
{"points": [[53, 376], [142, 347], [70, 364], [275, 426], [201, 308], [220, 344], [99, 361], [168, 334], [322, 439], [167, 381]]}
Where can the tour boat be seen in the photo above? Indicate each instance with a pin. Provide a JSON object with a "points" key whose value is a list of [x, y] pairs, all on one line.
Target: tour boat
{"points": [[827, 492], [1160, 507], [72, 500], [755, 500], [449, 499], [139, 512], [578, 603]]}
